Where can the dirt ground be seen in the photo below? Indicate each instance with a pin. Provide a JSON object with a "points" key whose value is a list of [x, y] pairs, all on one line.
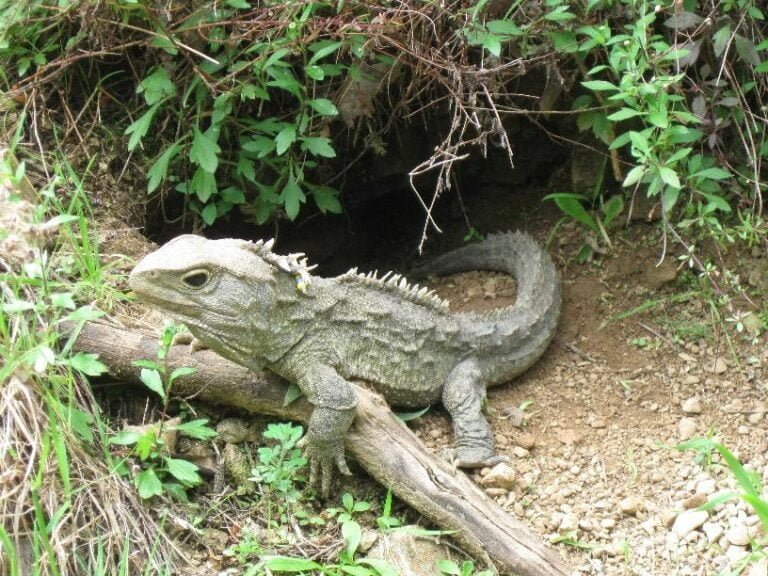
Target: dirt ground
{"points": [[594, 461]]}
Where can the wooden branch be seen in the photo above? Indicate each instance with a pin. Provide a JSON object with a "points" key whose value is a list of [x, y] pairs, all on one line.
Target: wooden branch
{"points": [[381, 443]]}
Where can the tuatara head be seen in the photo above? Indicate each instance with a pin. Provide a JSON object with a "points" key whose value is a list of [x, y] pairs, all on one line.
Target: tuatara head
{"points": [[197, 280]]}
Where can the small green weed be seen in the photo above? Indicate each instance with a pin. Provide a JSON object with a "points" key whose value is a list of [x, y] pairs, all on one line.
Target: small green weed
{"points": [[467, 568], [750, 484], [157, 472]]}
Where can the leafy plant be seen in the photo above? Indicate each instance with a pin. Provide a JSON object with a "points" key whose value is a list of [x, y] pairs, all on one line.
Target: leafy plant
{"points": [[385, 521]]}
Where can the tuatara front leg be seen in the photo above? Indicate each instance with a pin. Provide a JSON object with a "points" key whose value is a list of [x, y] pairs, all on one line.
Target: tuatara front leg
{"points": [[334, 404]]}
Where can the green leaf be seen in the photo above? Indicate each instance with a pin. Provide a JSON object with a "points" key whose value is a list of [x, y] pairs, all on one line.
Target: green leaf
{"points": [[159, 170], [492, 43], [599, 85], [323, 49], [184, 471], [204, 151], [203, 184], [140, 127], [285, 138], [712, 174], [715, 202], [148, 484], [260, 145], [506, 27], [745, 48], [570, 204], [180, 372], [408, 416], [318, 146], [624, 114], [197, 429], [63, 300], [634, 176], [448, 567], [238, 4], [125, 438], [669, 176], [157, 86], [323, 106], [669, 198], [720, 39], [352, 534], [208, 214], [327, 199], [88, 364], [314, 72], [275, 57], [612, 208], [292, 197], [658, 118], [152, 380], [288, 564]]}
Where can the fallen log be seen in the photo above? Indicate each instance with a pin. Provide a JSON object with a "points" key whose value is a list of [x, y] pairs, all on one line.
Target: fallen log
{"points": [[381, 443]]}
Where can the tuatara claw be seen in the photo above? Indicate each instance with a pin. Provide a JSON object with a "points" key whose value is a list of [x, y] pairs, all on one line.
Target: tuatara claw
{"points": [[323, 457]]}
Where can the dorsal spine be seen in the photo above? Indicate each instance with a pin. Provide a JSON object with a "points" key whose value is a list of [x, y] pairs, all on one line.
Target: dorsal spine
{"points": [[398, 285]]}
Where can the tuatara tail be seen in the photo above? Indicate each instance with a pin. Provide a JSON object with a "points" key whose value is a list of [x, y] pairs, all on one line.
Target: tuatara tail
{"points": [[507, 341]]}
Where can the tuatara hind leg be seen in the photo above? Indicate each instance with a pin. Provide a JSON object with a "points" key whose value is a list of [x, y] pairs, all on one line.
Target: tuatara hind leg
{"points": [[463, 397]]}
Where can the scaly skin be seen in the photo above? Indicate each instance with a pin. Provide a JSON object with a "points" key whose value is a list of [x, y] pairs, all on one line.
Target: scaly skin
{"points": [[262, 310]]}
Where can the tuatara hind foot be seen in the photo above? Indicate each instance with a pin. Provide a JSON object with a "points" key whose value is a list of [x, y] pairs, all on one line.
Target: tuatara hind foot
{"points": [[472, 457]]}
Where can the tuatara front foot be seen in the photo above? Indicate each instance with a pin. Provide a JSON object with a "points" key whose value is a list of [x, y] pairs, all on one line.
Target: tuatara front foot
{"points": [[322, 458], [324, 445]]}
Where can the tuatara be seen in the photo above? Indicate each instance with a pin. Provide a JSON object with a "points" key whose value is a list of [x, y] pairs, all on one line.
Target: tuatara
{"points": [[264, 310]]}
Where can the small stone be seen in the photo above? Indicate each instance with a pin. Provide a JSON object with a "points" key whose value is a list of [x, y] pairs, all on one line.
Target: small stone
{"points": [[738, 535], [706, 486], [435, 433], [500, 476], [694, 501], [526, 440], [735, 553], [569, 523], [687, 358], [631, 505], [692, 405], [686, 428], [569, 436], [520, 452], [755, 417], [688, 521], [743, 430], [713, 531], [717, 366], [598, 424], [608, 523], [691, 379]]}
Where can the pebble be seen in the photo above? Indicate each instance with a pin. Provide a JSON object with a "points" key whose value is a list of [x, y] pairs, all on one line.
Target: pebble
{"points": [[568, 436], [520, 452], [738, 535], [500, 476], [717, 366], [713, 531], [694, 501], [755, 417], [743, 430], [692, 405], [706, 487], [526, 440], [686, 428], [631, 505], [688, 521]]}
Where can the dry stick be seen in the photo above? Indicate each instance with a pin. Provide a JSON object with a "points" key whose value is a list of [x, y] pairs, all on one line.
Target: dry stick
{"points": [[381, 443]]}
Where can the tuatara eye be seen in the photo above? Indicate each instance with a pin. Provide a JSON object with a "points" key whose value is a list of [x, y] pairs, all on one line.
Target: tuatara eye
{"points": [[196, 278]]}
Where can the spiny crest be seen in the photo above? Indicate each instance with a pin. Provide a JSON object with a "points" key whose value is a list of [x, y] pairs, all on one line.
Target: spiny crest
{"points": [[397, 284], [293, 264]]}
